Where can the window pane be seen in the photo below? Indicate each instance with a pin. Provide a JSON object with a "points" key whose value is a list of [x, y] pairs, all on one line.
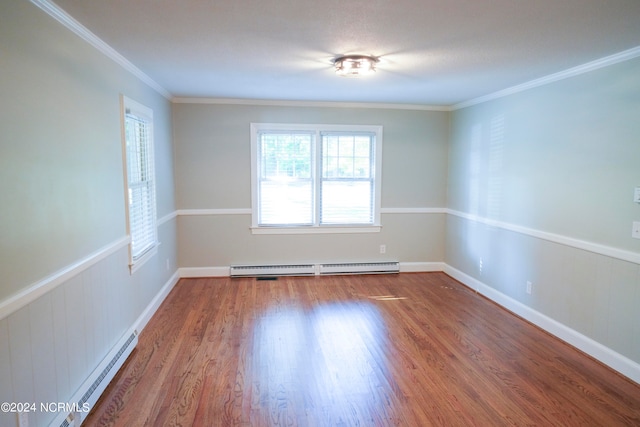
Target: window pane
{"points": [[300, 183], [330, 147], [345, 197], [141, 185], [286, 203], [346, 202], [363, 146], [346, 146], [347, 156], [285, 155], [361, 167], [345, 167], [330, 167], [286, 191], [141, 209]]}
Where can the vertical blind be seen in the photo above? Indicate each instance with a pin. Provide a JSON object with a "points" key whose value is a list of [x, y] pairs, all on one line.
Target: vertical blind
{"points": [[303, 183], [141, 184]]}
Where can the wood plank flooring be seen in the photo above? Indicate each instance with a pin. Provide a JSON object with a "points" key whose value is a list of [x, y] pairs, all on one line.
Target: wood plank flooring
{"points": [[414, 349]]}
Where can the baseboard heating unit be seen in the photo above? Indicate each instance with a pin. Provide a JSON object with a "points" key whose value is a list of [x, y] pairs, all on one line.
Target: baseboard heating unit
{"points": [[88, 394], [361, 268], [314, 269], [272, 270]]}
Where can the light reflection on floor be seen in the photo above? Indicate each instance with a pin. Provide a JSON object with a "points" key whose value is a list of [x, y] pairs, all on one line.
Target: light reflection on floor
{"points": [[331, 357]]}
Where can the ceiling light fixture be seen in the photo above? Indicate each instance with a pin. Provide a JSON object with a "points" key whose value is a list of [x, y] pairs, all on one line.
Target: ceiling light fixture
{"points": [[355, 65]]}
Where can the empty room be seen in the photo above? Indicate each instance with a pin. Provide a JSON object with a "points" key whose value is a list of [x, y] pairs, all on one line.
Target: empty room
{"points": [[329, 213]]}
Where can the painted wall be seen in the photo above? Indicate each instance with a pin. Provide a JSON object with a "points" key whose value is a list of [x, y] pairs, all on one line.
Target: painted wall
{"points": [[541, 189], [538, 186], [63, 209], [213, 160]]}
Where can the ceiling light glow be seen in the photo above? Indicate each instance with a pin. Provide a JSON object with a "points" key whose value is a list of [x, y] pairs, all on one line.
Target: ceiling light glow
{"points": [[355, 65]]}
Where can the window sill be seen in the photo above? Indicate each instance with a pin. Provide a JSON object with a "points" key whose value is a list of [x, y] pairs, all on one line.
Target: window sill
{"points": [[317, 230], [135, 265]]}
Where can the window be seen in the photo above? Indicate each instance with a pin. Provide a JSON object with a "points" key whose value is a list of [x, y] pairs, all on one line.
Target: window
{"points": [[315, 178], [140, 179]]}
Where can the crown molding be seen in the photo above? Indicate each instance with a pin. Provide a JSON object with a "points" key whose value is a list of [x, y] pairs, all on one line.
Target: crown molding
{"points": [[321, 104], [80, 30], [76, 27], [616, 58]]}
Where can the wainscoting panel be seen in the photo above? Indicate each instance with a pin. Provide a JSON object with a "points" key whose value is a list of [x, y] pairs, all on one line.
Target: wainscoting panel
{"points": [[61, 340], [42, 334], [51, 343], [6, 395], [20, 352], [586, 298]]}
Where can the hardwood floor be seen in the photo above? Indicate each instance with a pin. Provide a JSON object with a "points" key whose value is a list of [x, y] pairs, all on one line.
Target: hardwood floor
{"points": [[391, 350]]}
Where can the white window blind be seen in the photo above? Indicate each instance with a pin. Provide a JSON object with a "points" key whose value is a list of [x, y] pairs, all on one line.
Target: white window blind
{"points": [[138, 139], [286, 178], [315, 175], [348, 171]]}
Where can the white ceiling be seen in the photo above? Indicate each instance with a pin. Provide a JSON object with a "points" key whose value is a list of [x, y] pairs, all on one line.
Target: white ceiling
{"points": [[433, 52]]}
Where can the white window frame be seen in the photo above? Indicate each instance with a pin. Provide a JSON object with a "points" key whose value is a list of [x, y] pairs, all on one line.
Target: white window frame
{"points": [[138, 256], [316, 129]]}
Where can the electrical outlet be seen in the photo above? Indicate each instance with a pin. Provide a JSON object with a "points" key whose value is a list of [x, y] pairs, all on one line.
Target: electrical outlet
{"points": [[529, 287], [480, 266], [167, 264], [635, 230], [383, 249]]}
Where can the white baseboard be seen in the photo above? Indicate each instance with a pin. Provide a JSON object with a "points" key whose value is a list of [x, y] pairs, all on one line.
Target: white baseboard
{"points": [[204, 272], [421, 267], [614, 360], [153, 306]]}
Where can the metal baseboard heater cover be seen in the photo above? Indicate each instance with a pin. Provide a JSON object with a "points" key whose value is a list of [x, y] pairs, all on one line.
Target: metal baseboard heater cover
{"points": [[314, 269], [361, 268], [88, 394], [272, 270]]}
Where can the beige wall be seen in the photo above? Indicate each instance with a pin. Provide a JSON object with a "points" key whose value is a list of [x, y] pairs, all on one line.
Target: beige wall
{"points": [[213, 160]]}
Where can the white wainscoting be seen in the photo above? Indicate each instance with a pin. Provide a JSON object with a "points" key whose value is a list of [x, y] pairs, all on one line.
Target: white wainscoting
{"points": [[54, 334]]}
